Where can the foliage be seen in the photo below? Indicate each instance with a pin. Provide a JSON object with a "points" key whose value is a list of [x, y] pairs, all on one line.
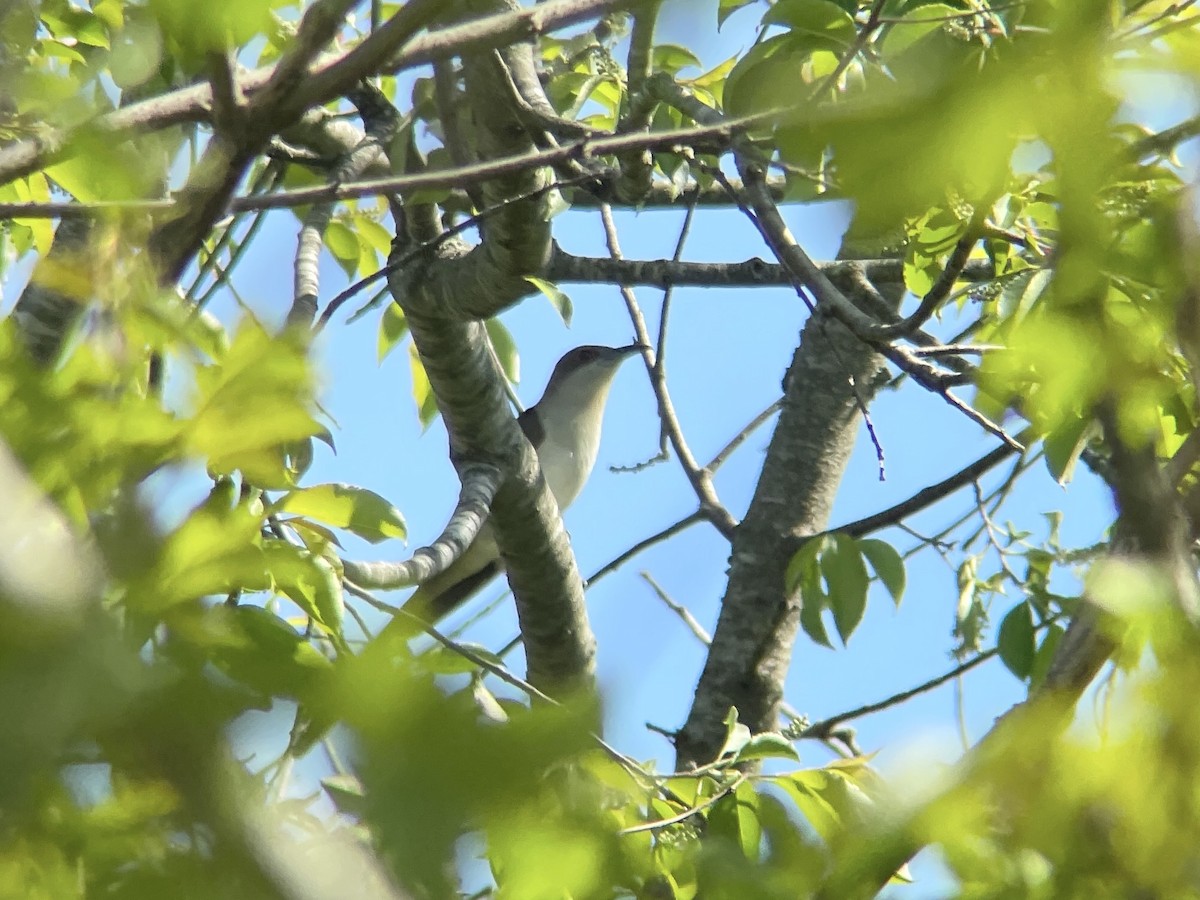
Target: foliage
{"points": [[134, 642]]}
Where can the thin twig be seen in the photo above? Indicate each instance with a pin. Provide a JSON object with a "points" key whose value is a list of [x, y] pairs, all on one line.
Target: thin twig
{"points": [[688, 813], [740, 438], [826, 727], [679, 609], [701, 482]]}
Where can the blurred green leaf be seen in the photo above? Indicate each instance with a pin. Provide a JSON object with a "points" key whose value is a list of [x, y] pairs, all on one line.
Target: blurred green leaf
{"points": [[393, 326], [1016, 641], [734, 818], [427, 409], [308, 580], [888, 565], [348, 506], [820, 19], [737, 735], [767, 745], [251, 403], [726, 8], [506, 349], [672, 57]]}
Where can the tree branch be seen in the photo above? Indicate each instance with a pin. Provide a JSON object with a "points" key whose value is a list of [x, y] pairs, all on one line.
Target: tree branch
{"points": [[193, 104], [479, 485]]}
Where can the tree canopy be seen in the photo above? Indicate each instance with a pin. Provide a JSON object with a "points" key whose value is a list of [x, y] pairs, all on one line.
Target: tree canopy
{"points": [[201, 457]]}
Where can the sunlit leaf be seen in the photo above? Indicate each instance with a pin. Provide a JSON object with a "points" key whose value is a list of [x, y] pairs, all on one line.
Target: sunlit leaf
{"points": [[422, 391], [393, 326], [559, 299], [734, 818], [348, 506], [506, 349]]}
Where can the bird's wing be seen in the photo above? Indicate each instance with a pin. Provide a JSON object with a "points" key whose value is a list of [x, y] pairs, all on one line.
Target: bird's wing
{"points": [[440, 595]]}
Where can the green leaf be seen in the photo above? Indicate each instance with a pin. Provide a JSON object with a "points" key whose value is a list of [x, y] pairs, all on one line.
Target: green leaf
{"points": [[347, 794], [1065, 444], [813, 602], [552, 292], [846, 575], [734, 818], [809, 790], [393, 326], [264, 652], [1045, 655], [487, 702], [252, 404], [672, 57], [1016, 641], [815, 18], [726, 8], [343, 244], [803, 561], [767, 745], [427, 408], [308, 580], [348, 506], [215, 550], [373, 234], [506, 349], [766, 78], [914, 27], [737, 735], [888, 565]]}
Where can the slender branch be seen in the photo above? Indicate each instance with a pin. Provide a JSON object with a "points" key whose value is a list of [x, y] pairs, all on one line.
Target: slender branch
{"points": [[826, 727], [679, 609], [380, 123], [691, 811], [716, 137], [926, 497], [644, 544], [194, 103], [567, 267], [701, 481], [738, 439], [941, 288]]}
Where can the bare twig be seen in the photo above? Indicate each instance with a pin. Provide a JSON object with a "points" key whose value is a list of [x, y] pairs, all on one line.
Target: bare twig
{"points": [[691, 811], [679, 609], [738, 439], [701, 481], [824, 728]]}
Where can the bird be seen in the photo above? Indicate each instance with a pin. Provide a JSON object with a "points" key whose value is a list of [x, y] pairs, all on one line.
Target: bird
{"points": [[564, 428]]}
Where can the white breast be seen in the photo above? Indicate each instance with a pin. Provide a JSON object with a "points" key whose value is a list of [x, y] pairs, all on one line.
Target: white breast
{"points": [[567, 459]]}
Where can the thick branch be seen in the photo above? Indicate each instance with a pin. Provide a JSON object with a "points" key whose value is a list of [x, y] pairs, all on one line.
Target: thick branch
{"points": [[815, 434], [567, 267], [193, 104], [441, 300]]}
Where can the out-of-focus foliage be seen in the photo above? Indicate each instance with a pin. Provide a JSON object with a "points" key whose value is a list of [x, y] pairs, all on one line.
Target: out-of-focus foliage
{"points": [[131, 643]]}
